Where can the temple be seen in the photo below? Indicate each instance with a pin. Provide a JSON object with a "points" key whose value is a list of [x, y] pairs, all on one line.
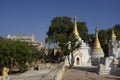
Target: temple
{"points": [[97, 51], [112, 62], [82, 55]]}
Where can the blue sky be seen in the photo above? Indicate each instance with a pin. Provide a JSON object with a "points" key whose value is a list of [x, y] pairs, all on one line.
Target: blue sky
{"points": [[29, 17]]}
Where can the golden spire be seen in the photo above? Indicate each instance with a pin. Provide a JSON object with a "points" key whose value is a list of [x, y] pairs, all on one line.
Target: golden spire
{"points": [[96, 44], [75, 31], [113, 34]]}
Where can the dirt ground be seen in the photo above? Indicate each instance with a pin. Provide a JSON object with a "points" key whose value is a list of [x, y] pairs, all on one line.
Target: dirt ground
{"points": [[85, 73]]}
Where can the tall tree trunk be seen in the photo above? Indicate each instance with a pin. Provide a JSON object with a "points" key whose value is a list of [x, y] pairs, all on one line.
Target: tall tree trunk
{"points": [[69, 61], [72, 60]]}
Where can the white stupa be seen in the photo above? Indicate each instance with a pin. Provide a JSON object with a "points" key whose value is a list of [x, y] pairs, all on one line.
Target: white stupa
{"points": [[82, 55]]}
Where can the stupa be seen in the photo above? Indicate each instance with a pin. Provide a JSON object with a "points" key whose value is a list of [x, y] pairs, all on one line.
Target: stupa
{"points": [[82, 55], [97, 51]]}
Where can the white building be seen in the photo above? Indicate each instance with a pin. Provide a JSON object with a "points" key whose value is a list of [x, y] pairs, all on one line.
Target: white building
{"points": [[114, 51], [82, 56], [114, 46], [112, 63]]}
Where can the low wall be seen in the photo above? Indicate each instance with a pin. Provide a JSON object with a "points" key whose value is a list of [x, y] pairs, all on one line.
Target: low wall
{"points": [[55, 74], [104, 72]]}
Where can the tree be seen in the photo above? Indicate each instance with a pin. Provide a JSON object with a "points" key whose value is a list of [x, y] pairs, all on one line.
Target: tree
{"points": [[91, 39], [117, 31], [4, 53], [83, 30], [103, 37], [23, 54], [73, 45], [69, 46], [14, 53], [60, 27]]}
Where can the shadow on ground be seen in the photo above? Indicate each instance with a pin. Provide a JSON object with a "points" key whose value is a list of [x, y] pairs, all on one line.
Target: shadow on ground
{"points": [[112, 78], [88, 69]]}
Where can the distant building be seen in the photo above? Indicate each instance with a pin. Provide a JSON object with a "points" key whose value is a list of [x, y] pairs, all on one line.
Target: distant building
{"points": [[31, 39], [114, 51], [111, 65], [114, 46], [22, 38], [38, 45]]}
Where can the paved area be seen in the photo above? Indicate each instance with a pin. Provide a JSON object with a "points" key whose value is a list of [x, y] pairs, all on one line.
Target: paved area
{"points": [[30, 75], [86, 74]]}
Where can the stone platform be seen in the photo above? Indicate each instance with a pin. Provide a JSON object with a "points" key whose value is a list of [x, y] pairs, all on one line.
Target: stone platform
{"points": [[86, 73]]}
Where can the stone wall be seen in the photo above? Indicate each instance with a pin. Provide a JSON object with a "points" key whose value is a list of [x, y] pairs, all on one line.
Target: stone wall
{"points": [[55, 74], [103, 72]]}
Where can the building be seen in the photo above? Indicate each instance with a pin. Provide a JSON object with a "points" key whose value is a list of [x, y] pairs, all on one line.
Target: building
{"points": [[82, 55], [114, 46], [97, 51], [22, 38], [114, 51], [30, 39], [112, 62]]}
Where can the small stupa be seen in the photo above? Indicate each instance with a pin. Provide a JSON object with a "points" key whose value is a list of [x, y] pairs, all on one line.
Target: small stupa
{"points": [[97, 51], [113, 35]]}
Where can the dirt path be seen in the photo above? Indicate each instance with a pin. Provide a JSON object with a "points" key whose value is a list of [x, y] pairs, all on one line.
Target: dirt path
{"points": [[86, 74]]}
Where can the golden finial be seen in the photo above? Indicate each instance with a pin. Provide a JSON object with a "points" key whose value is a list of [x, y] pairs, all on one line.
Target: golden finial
{"points": [[75, 31], [113, 34], [96, 44]]}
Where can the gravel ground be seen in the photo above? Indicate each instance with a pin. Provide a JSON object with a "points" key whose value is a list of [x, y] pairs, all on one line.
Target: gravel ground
{"points": [[86, 74]]}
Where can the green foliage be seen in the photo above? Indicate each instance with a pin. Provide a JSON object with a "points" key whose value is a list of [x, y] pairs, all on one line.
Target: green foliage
{"points": [[60, 27], [14, 53], [72, 46], [23, 53], [109, 32], [83, 30], [103, 37], [117, 31]]}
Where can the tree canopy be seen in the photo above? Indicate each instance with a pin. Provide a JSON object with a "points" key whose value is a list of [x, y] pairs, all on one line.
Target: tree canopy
{"points": [[117, 31], [14, 53], [103, 37], [62, 27]]}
